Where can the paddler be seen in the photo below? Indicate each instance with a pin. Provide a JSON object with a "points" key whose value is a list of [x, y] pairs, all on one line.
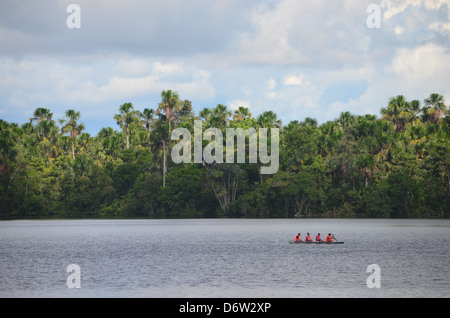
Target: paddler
{"points": [[318, 239], [298, 238], [308, 238], [329, 238]]}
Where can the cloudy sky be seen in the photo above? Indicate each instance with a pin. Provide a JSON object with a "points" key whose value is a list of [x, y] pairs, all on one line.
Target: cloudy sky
{"points": [[298, 58]]}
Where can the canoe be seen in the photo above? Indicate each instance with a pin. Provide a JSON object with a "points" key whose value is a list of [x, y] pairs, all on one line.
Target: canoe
{"points": [[303, 242]]}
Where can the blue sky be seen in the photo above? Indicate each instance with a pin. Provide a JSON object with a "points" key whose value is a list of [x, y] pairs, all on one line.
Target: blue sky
{"points": [[310, 58]]}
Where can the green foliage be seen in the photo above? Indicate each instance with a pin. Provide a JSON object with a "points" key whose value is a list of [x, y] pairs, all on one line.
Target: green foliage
{"points": [[355, 166]]}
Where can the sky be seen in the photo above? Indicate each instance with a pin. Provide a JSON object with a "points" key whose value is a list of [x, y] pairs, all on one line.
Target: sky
{"points": [[298, 58]]}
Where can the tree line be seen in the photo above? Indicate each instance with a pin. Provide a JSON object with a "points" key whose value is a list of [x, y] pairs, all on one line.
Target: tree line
{"points": [[397, 165]]}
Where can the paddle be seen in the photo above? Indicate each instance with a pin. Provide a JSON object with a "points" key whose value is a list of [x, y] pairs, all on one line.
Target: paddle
{"points": [[334, 238]]}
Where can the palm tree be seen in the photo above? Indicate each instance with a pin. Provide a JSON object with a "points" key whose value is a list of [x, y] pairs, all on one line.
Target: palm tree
{"points": [[110, 142], [434, 108], [70, 125], [126, 117], [147, 119], [312, 122], [366, 163], [161, 139], [220, 116], [47, 134], [268, 119], [328, 137], [41, 114], [414, 111], [205, 113], [185, 114], [397, 112], [85, 142], [346, 119], [170, 105], [241, 114]]}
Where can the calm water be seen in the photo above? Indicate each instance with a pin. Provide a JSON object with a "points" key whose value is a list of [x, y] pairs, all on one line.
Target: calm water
{"points": [[223, 258]]}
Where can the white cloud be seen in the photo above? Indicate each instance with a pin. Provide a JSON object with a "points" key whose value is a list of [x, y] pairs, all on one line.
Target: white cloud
{"points": [[289, 102], [422, 69], [132, 67], [235, 104], [415, 73], [399, 30], [31, 83], [393, 8], [293, 80], [313, 32], [160, 77], [165, 69], [298, 58]]}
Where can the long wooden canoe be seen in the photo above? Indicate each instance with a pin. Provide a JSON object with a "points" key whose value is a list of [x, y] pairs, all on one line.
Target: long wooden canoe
{"points": [[303, 242]]}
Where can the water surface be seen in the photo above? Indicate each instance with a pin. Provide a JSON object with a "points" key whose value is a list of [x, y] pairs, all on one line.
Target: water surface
{"points": [[223, 258]]}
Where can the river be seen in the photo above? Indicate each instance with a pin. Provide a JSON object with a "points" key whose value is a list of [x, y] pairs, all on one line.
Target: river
{"points": [[223, 258]]}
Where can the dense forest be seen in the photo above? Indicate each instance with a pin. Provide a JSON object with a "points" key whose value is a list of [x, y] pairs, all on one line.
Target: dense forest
{"points": [[397, 165]]}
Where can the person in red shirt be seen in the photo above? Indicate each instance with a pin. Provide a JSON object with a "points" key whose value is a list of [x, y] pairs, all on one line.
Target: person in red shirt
{"points": [[308, 238], [318, 238], [329, 238], [297, 238]]}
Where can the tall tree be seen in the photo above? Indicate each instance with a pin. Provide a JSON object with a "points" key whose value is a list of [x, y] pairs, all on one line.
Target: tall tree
{"points": [[219, 116], [111, 142], [224, 180], [268, 119], [126, 117], [414, 111], [328, 137], [47, 136], [345, 119], [434, 108], [205, 113], [170, 105], [241, 113], [186, 113], [41, 114], [146, 120], [161, 139], [71, 126], [167, 110], [366, 163], [397, 112]]}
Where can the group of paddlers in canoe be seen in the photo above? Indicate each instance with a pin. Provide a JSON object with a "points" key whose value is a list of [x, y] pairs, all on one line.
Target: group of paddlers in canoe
{"points": [[329, 239]]}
